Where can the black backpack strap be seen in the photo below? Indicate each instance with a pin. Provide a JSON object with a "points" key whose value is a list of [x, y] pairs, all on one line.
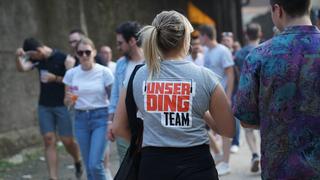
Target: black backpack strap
{"points": [[135, 124]]}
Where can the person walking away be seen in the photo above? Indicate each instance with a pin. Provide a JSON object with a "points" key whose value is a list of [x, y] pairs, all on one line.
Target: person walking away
{"points": [[173, 95], [253, 35], [218, 59], [279, 94]]}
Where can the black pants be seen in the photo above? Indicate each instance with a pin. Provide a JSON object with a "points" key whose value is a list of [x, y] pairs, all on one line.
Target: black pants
{"points": [[193, 163]]}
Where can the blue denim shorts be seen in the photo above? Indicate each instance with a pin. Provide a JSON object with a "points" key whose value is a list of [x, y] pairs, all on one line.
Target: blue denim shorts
{"points": [[55, 119]]}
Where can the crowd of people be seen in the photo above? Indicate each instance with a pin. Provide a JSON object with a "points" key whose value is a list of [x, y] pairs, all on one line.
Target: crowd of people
{"points": [[193, 94]]}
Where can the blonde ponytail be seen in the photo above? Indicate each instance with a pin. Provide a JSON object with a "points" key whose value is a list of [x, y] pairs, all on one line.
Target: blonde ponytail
{"points": [[151, 49], [170, 32]]}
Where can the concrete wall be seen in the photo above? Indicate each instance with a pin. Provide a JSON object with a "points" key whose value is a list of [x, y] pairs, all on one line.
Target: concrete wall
{"points": [[50, 21]]}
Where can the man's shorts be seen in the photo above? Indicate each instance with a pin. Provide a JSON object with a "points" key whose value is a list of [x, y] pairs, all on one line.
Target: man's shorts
{"points": [[55, 119]]}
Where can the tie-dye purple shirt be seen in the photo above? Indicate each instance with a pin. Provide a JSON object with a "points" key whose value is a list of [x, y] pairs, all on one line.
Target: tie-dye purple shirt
{"points": [[279, 91]]}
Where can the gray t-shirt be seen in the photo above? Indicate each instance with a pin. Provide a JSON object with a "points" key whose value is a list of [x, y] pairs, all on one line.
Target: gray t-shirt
{"points": [[173, 104], [217, 60]]}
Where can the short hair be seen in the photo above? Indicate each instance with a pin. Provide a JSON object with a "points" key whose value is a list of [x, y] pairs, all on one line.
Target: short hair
{"points": [[294, 8], [253, 31], [80, 31], [128, 30], [31, 44], [208, 30]]}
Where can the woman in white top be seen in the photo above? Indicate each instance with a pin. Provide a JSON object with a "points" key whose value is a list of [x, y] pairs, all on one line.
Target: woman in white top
{"points": [[88, 88], [173, 95]]}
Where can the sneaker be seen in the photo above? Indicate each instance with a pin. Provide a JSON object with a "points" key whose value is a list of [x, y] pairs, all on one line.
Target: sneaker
{"points": [[79, 169], [108, 174], [255, 161], [234, 149], [223, 168]]}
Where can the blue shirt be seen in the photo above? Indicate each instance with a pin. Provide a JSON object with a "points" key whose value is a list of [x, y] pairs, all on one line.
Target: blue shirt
{"points": [[118, 83]]}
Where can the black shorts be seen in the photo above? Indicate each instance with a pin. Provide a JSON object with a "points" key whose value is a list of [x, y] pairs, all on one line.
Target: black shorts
{"points": [[193, 163]]}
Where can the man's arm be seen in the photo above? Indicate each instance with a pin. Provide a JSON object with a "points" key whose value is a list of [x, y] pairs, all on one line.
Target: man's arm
{"points": [[69, 63], [115, 92], [230, 82], [21, 63], [246, 107], [50, 77]]}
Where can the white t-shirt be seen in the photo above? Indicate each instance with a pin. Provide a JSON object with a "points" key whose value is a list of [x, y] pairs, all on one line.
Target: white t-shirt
{"points": [[130, 67], [198, 61], [217, 60], [89, 86], [112, 65]]}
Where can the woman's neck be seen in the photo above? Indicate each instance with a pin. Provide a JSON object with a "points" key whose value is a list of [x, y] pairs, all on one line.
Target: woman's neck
{"points": [[173, 55]]}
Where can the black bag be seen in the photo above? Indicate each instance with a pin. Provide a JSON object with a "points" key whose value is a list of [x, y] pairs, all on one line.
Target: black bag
{"points": [[129, 167]]}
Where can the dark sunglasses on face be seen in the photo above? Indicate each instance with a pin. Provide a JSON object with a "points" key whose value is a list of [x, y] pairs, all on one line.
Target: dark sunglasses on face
{"points": [[81, 53]]}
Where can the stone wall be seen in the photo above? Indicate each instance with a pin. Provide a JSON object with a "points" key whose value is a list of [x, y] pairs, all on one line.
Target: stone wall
{"points": [[50, 21]]}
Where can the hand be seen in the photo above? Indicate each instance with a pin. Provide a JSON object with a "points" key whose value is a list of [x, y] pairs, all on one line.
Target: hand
{"points": [[110, 135], [49, 77], [20, 52], [68, 99]]}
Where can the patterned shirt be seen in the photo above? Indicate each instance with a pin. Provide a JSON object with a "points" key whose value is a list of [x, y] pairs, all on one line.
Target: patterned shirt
{"points": [[279, 91], [241, 55]]}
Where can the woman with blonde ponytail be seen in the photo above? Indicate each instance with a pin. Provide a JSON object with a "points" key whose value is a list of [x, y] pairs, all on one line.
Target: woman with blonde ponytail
{"points": [[176, 100]]}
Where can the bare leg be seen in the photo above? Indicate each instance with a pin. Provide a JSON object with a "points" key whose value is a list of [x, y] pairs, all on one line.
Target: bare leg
{"points": [[251, 140], [51, 154], [223, 167], [226, 143], [213, 144], [71, 147]]}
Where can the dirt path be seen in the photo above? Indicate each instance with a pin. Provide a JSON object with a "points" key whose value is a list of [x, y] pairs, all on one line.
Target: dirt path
{"points": [[35, 167]]}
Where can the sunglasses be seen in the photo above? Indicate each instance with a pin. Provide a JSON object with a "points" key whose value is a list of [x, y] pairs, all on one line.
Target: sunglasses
{"points": [[81, 53], [228, 34]]}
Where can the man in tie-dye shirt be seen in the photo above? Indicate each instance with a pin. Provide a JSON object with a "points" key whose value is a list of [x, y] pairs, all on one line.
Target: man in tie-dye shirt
{"points": [[279, 93]]}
